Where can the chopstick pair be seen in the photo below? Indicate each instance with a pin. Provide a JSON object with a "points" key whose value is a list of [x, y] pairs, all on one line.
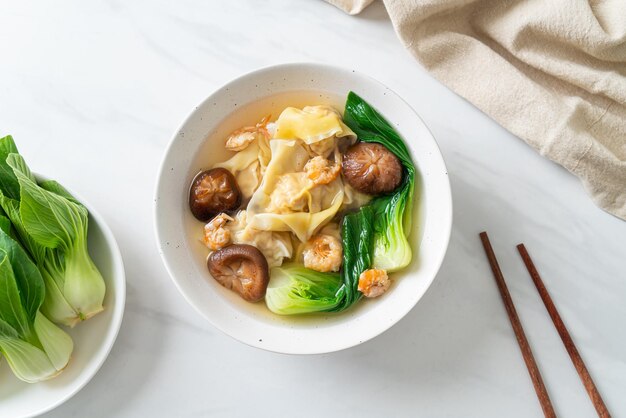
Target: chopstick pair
{"points": [[533, 370]]}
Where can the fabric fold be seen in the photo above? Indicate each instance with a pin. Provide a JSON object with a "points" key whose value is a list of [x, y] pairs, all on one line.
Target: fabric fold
{"points": [[552, 73]]}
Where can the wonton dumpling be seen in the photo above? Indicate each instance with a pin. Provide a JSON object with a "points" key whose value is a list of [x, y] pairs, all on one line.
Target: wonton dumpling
{"points": [[249, 179], [275, 246], [290, 193], [249, 165], [317, 126], [273, 208]]}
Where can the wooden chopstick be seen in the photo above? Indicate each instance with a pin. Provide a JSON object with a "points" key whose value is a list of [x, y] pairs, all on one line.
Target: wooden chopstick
{"points": [[596, 399], [529, 359]]}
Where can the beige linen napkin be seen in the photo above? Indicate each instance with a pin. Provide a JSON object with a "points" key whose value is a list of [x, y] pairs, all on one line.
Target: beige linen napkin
{"points": [[553, 72]]}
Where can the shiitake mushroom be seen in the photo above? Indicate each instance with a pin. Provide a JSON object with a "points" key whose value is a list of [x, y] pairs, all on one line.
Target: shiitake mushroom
{"points": [[241, 268], [371, 168], [212, 192]]}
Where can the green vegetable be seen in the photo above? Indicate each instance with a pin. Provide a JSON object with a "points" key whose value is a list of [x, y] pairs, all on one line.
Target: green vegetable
{"points": [[34, 347], [392, 214], [356, 236], [294, 289], [53, 227], [8, 182]]}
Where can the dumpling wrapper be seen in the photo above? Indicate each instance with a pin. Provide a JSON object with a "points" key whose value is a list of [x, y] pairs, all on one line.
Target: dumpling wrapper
{"points": [[353, 199], [317, 126], [275, 246], [322, 202]]}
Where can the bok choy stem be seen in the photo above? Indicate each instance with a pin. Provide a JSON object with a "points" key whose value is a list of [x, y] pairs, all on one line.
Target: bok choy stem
{"points": [[34, 347]]}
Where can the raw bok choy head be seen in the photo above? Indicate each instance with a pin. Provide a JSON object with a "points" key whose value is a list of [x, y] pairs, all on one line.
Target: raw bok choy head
{"points": [[34, 347], [53, 227]]}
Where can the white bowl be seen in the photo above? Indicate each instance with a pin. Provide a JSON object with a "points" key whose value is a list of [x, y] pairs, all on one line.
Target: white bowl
{"points": [[199, 143], [93, 339]]}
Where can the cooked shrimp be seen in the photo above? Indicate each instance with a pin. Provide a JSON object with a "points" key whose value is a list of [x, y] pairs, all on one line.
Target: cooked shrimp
{"points": [[243, 137], [373, 283], [216, 236], [239, 140], [323, 253], [290, 194], [321, 171]]}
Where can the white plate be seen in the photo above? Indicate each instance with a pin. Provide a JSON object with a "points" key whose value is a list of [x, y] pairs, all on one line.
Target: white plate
{"points": [[93, 339], [199, 144]]}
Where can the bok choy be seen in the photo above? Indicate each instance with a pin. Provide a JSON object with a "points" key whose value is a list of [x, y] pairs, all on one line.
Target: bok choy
{"points": [[294, 289], [52, 225], [392, 213], [357, 236], [34, 347]]}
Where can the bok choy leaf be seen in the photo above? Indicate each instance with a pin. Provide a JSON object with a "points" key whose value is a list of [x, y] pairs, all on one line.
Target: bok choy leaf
{"points": [[357, 235], [294, 289], [34, 347]]}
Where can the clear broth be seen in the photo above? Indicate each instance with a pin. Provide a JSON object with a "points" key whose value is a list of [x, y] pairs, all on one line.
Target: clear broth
{"points": [[213, 151]]}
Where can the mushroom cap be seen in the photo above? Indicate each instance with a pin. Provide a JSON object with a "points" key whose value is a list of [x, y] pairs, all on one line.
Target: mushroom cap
{"points": [[371, 168], [241, 268], [212, 192]]}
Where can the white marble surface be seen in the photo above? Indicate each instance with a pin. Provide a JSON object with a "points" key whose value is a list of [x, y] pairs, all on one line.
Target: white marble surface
{"points": [[92, 92]]}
